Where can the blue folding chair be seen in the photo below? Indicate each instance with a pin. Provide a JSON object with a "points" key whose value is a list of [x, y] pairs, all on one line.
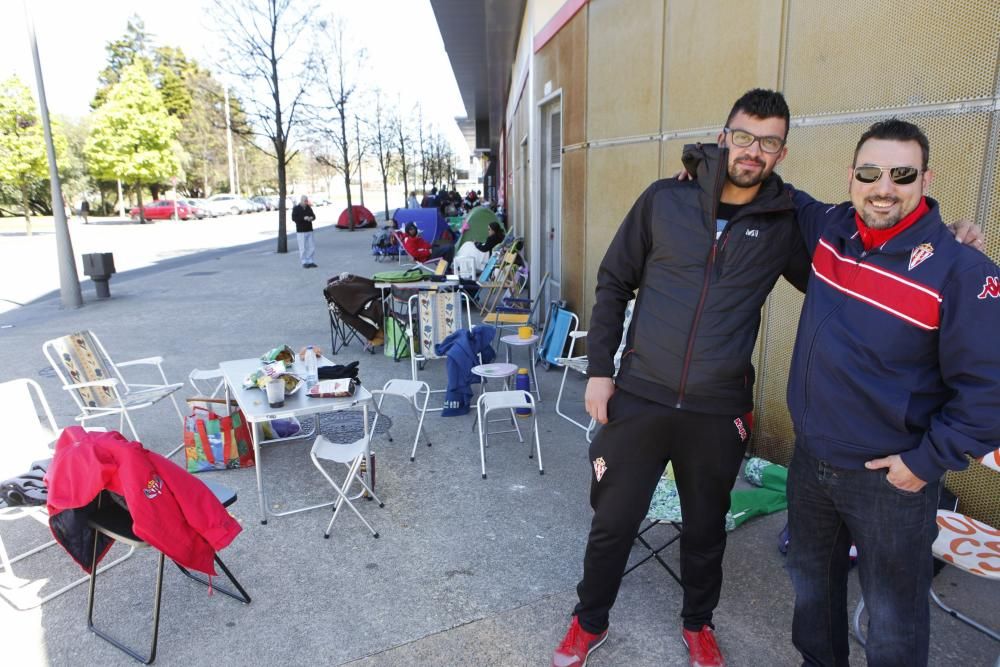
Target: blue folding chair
{"points": [[559, 326]]}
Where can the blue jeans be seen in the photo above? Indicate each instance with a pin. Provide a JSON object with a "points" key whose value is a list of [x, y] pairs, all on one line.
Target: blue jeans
{"points": [[830, 507]]}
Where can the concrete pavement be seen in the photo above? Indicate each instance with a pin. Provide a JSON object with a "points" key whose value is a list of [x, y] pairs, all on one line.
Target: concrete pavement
{"points": [[467, 571]]}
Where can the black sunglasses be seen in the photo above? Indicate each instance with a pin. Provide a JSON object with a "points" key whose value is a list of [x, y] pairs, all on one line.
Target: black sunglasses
{"points": [[870, 173]]}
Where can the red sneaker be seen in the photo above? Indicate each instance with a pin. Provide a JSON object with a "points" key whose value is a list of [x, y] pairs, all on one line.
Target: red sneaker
{"points": [[576, 646], [702, 647]]}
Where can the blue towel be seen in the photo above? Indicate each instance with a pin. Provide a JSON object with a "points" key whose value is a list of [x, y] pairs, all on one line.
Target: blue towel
{"points": [[463, 350]]}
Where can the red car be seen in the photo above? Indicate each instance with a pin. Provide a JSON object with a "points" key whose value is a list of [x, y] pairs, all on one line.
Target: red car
{"points": [[163, 209]]}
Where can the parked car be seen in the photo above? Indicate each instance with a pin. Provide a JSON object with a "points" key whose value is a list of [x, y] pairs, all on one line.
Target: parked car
{"points": [[269, 202], [163, 209], [203, 206], [257, 206], [319, 200], [196, 208], [228, 204]]}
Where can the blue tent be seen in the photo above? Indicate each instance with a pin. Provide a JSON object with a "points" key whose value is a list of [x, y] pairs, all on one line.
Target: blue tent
{"points": [[429, 221]]}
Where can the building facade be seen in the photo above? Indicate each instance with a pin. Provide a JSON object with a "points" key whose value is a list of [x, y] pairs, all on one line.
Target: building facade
{"points": [[600, 96]]}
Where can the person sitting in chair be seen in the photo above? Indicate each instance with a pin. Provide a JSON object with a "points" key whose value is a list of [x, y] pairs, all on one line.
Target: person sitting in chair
{"points": [[421, 250], [494, 236]]}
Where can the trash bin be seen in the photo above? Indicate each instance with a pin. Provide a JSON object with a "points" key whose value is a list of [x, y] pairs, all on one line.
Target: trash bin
{"points": [[99, 266]]}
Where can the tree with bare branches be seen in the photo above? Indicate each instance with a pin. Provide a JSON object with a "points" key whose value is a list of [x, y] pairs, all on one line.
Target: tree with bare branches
{"points": [[339, 69], [422, 145], [381, 138], [264, 47], [403, 141]]}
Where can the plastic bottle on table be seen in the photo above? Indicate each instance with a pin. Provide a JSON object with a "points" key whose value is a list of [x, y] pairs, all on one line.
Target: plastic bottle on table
{"points": [[311, 367]]}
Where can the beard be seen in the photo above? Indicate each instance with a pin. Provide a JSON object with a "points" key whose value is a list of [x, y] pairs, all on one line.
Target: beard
{"points": [[874, 221], [748, 180]]}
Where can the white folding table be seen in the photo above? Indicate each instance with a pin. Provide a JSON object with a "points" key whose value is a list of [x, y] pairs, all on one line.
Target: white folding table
{"points": [[253, 403]]}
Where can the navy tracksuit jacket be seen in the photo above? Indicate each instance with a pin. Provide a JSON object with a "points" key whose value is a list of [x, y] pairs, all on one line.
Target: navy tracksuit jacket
{"points": [[897, 350]]}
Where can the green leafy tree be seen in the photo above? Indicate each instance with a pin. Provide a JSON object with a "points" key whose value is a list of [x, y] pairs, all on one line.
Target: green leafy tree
{"points": [[134, 46], [23, 162], [132, 137]]}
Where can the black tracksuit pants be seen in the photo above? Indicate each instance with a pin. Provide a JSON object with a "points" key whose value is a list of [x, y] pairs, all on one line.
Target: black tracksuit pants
{"points": [[634, 447]]}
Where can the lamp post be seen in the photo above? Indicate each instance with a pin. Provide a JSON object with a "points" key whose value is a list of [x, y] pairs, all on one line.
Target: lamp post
{"points": [[69, 280]]}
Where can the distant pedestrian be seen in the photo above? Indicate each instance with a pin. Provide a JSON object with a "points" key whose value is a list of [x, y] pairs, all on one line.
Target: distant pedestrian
{"points": [[84, 210], [411, 201], [303, 216]]}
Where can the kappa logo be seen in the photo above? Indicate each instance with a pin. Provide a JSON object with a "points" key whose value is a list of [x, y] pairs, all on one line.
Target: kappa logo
{"points": [[600, 467], [154, 487], [753, 233], [741, 429], [920, 254], [991, 288]]}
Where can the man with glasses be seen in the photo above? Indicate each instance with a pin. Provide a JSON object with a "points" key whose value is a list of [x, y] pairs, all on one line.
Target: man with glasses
{"points": [[703, 257], [893, 382]]}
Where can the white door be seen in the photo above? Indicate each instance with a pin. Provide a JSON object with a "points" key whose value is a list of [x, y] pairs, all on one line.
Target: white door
{"points": [[551, 227]]}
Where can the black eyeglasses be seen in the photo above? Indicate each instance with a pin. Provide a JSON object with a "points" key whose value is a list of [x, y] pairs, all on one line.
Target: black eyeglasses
{"points": [[743, 139], [870, 173]]}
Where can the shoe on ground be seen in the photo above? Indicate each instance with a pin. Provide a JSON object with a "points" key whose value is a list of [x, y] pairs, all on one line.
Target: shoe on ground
{"points": [[576, 646], [311, 266], [702, 647]]}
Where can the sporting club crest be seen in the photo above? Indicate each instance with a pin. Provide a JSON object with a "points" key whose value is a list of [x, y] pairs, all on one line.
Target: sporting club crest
{"points": [[920, 254], [600, 467]]}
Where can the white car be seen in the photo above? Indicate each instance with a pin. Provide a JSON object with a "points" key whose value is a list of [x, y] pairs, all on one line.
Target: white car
{"points": [[226, 204]]}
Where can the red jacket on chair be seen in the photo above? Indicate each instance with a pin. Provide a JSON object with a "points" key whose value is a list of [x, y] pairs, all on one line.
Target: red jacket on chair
{"points": [[171, 509]]}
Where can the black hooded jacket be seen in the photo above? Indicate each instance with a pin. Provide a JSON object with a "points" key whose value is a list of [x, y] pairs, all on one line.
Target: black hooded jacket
{"points": [[697, 312]]}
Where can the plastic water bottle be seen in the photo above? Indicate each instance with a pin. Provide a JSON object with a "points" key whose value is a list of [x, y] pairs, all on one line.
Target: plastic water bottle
{"points": [[522, 383], [311, 368]]}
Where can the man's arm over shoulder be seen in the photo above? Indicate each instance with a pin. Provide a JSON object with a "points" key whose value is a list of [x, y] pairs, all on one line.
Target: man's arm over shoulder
{"points": [[618, 277], [969, 423], [812, 215]]}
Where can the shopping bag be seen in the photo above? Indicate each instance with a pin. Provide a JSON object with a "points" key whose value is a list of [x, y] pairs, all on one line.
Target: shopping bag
{"points": [[216, 442], [396, 345]]}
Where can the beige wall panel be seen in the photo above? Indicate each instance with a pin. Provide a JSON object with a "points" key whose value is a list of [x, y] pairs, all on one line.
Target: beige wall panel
{"points": [[819, 159], [563, 63], [715, 51], [615, 177], [991, 224], [574, 229], [572, 61], [624, 62], [857, 54]]}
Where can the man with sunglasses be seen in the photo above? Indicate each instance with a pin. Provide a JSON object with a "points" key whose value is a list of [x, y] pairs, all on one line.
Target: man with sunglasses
{"points": [[702, 257], [893, 382]]}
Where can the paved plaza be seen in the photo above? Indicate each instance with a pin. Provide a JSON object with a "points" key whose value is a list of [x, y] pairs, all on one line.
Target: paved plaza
{"points": [[467, 571]]}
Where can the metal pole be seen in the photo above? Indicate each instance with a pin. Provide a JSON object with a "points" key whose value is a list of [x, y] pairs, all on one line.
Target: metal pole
{"points": [[229, 139], [121, 200], [69, 280]]}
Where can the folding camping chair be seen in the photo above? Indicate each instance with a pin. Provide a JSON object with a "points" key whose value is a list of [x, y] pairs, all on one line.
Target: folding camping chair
{"points": [[114, 521], [504, 279], [433, 316], [27, 444], [351, 455], [664, 508], [429, 266], [96, 383], [580, 364], [514, 311], [355, 310]]}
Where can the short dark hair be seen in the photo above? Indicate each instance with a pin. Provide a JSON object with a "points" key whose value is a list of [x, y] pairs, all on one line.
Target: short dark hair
{"points": [[762, 103], [895, 129]]}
